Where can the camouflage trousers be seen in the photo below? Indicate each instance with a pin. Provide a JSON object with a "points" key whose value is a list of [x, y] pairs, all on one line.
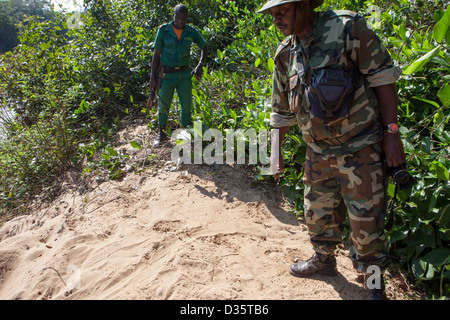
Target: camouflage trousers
{"points": [[354, 184]]}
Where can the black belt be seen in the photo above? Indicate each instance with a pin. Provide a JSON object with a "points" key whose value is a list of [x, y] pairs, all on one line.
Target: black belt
{"points": [[174, 69]]}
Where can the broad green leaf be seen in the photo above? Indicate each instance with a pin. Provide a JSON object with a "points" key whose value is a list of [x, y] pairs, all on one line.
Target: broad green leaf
{"points": [[419, 63], [84, 106], [220, 54], [439, 170], [444, 137], [254, 50], [433, 199], [112, 152], [398, 234], [427, 101], [422, 269], [391, 190], [438, 257], [442, 26], [256, 87], [438, 118], [426, 144], [402, 31], [135, 145], [271, 64], [444, 94], [444, 217]]}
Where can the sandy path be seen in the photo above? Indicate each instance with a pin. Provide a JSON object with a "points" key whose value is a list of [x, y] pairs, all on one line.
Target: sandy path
{"points": [[202, 232]]}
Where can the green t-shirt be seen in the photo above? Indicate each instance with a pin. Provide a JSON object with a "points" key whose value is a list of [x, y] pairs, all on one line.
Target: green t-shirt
{"points": [[174, 52]]}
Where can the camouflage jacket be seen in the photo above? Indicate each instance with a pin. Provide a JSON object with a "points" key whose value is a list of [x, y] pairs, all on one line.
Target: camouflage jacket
{"points": [[340, 39]]}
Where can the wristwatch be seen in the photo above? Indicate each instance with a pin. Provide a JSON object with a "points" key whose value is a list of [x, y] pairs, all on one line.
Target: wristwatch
{"points": [[391, 128]]}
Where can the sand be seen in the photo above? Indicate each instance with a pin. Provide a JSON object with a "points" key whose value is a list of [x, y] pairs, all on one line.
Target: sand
{"points": [[199, 232]]}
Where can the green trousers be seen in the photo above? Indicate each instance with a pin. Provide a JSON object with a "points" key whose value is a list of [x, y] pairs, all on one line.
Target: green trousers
{"points": [[181, 81]]}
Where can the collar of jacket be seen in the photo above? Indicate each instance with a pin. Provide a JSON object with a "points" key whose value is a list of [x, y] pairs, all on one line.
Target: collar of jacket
{"points": [[168, 28]]}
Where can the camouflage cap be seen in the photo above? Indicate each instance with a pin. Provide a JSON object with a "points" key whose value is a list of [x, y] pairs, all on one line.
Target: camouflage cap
{"points": [[274, 3]]}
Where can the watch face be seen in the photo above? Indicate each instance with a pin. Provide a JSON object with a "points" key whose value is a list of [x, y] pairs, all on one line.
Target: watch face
{"points": [[393, 128]]}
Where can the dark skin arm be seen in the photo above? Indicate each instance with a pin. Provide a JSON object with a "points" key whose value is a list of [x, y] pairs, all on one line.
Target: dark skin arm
{"points": [[392, 144], [156, 65]]}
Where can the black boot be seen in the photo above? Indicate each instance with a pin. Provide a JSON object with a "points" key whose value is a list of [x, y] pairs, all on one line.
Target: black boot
{"points": [[161, 136], [378, 293], [317, 264]]}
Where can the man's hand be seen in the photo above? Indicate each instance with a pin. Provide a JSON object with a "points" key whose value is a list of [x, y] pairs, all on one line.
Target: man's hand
{"points": [[393, 149], [392, 143], [276, 164], [151, 99], [198, 72], [276, 157], [152, 85]]}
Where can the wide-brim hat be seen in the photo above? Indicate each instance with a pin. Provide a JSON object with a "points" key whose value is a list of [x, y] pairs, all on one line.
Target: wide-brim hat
{"points": [[274, 3]]}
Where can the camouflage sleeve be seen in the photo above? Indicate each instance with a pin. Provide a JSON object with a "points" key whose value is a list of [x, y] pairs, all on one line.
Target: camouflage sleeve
{"points": [[371, 55], [281, 116]]}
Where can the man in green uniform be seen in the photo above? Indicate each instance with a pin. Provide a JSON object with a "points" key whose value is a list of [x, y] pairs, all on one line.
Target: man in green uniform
{"points": [[336, 80], [172, 54]]}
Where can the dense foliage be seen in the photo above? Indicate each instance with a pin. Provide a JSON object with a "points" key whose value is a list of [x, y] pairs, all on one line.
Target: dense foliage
{"points": [[71, 81], [13, 12]]}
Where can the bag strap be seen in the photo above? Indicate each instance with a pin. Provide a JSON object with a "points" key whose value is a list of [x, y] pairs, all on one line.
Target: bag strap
{"points": [[305, 76]]}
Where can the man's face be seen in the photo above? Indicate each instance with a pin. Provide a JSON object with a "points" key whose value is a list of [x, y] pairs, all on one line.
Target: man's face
{"points": [[283, 17], [180, 20]]}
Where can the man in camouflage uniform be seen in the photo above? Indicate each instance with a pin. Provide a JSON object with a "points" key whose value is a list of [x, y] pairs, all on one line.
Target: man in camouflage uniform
{"points": [[344, 169]]}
